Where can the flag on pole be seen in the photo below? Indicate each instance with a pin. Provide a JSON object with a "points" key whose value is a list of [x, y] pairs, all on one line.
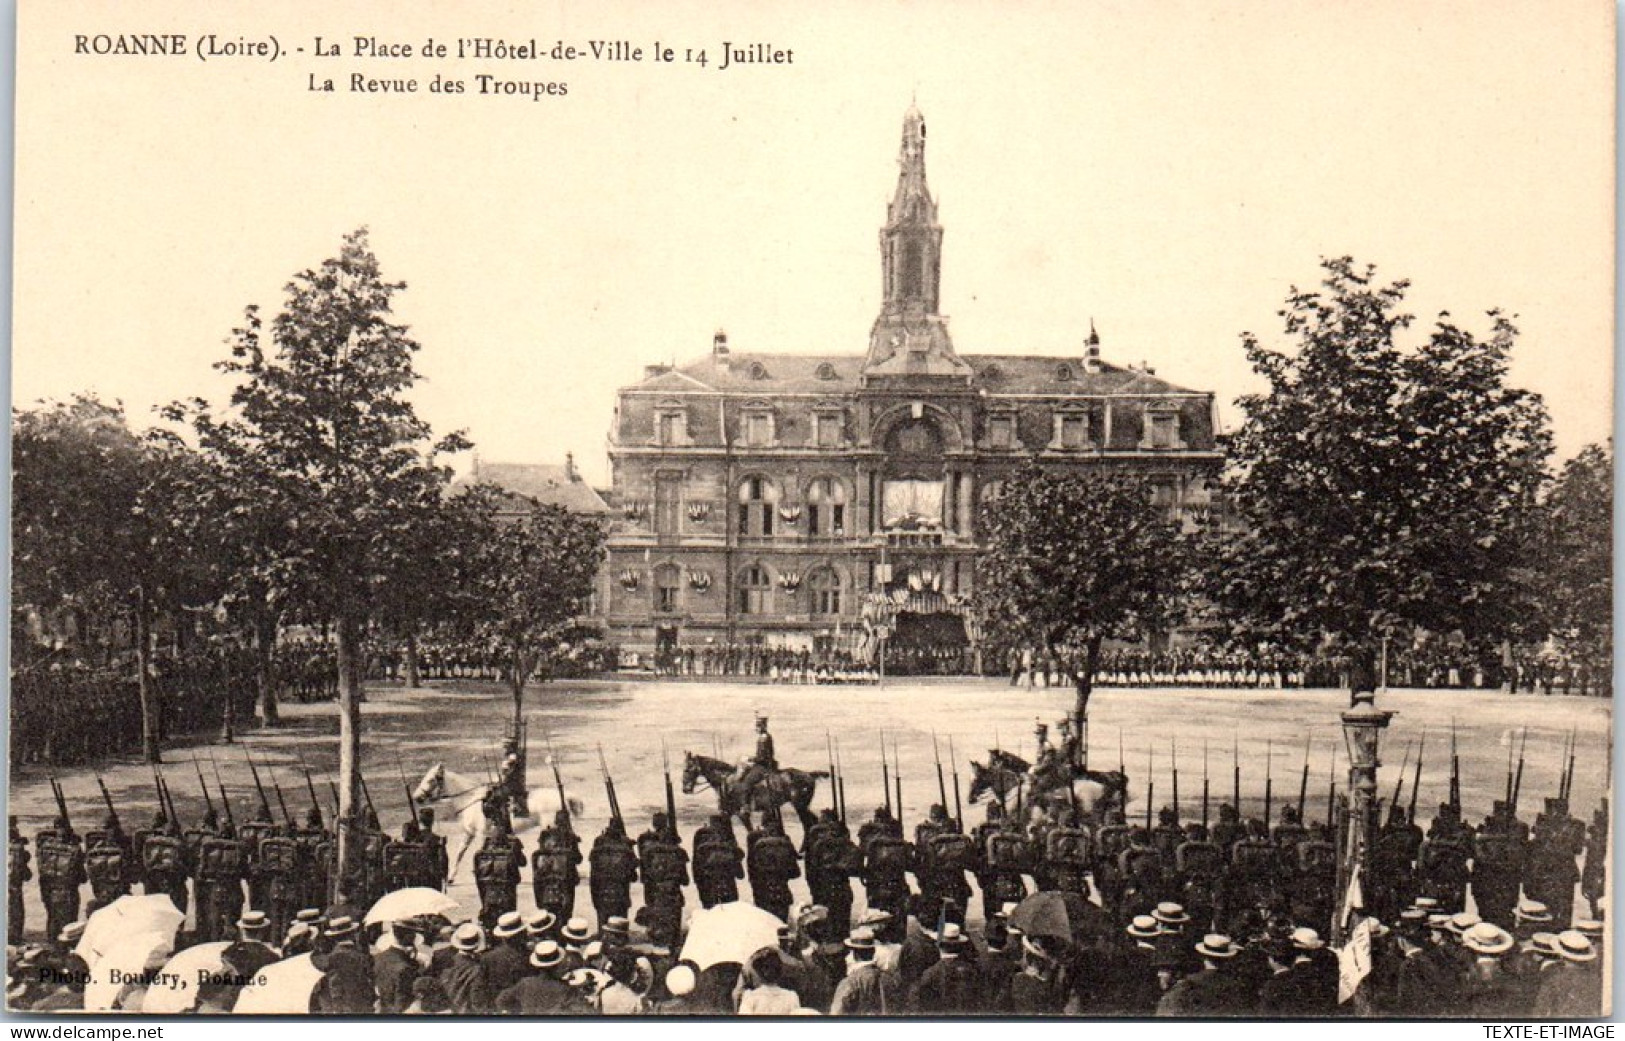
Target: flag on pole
{"points": [[1353, 898], [1354, 960]]}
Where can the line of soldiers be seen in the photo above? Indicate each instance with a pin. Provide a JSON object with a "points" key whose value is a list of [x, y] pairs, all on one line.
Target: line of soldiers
{"points": [[218, 866]]}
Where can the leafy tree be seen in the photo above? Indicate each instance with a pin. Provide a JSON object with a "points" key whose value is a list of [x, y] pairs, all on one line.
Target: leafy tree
{"points": [[528, 580], [92, 504], [1576, 575], [1378, 488], [1076, 559], [319, 426]]}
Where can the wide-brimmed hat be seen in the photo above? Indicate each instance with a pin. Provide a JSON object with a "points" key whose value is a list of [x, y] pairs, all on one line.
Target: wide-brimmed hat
{"points": [[546, 954], [615, 925], [952, 937], [253, 920], [1216, 945], [1590, 928], [1462, 921], [1439, 921], [875, 916], [1543, 944], [540, 921], [1426, 903], [509, 924], [1170, 913], [576, 930], [1487, 938], [810, 914], [342, 925], [862, 939], [467, 937], [1306, 939], [1532, 911], [71, 932], [1144, 927], [308, 916], [1575, 946]]}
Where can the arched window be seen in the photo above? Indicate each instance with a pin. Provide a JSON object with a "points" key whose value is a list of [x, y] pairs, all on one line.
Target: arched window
{"points": [[757, 496], [758, 371], [755, 590], [826, 507], [913, 270], [1063, 372], [826, 371], [668, 583], [825, 584]]}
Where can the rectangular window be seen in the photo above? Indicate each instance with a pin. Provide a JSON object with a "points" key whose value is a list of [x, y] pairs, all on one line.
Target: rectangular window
{"points": [[666, 599], [837, 520], [827, 601], [671, 428], [828, 427], [668, 495], [1165, 430], [1074, 432], [758, 429], [744, 519], [753, 601], [1001, 432], [812, 520]]}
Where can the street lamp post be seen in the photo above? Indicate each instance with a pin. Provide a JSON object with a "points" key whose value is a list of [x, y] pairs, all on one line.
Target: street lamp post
{"points": [[1363, 725]]}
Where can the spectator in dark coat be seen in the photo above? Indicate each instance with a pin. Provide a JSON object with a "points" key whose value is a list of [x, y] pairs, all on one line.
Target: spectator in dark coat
{"points": [[542, 992], [346, 988], [394, 970]]}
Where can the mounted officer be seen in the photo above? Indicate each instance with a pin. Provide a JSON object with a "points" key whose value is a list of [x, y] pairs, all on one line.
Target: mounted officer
{"points": [[555, 867], [719, 863], [763, 764], [771, 862], [511, 776], [612, 868]]}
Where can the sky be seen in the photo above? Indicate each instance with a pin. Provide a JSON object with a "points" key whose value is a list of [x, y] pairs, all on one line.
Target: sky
{"points": [[1167, 170]]}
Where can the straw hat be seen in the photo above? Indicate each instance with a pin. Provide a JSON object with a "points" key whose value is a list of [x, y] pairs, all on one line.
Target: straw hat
{"points": [[1306, 939], [509, 924], [1216, 945], [1170, 913], [576, 930], [546, 955], [1487, 938], [467, 936], [1573, 945], [862, 939], [343, 925], [540, 921], [1532, 911], [1462, 921], [1144, 927]]}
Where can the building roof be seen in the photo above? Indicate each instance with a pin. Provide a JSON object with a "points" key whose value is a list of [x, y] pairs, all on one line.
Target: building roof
{"points": [[744, 373], [546, 483]]}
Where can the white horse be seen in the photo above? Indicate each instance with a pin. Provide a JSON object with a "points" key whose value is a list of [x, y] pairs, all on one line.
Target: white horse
{"points": [[465, 797]]}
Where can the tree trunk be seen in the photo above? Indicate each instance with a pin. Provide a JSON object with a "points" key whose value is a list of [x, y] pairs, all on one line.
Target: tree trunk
{"points": [[349, 668], [1362, 673], [517, 682], [1086, 687], [147, 692], [264, 668], [413, 680]]}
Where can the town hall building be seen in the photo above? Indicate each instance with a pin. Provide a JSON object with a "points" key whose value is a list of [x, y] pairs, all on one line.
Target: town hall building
{"points": [[798, 501]]}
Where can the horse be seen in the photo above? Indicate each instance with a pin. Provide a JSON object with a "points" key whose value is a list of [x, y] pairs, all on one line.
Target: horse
{"points": [[466, 797], [785, 785], [1006, 773]]}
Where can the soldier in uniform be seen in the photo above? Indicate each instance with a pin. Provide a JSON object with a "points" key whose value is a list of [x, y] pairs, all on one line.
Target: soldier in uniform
{"points": [[1167, 835], [250, 833], [950, 855], [555, 867], [831, 859], [366, 882], [406, 860], [1146, 874], [771, 863], [887, 860], [936, 822], [316, 846], [109, 864], [163, 857], [1442, 861], [1199, 875], [612, 868], [1393, 861], [220, 872], [17, 875], [1228, 830], [439, 859], [719, 863], [1254, 865], [1498, 862], [1067, 855], [278, 870], [664, 866], [1110, 842], [1314, 893], [1286, 836], [1550, 871], [496, 872], [61, 861], [1593, 884], [761, 764], [1009, 856]]}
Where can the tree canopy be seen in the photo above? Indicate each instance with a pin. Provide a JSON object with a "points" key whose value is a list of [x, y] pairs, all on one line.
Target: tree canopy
{"points": [[1377, 487], [1576, 584]]}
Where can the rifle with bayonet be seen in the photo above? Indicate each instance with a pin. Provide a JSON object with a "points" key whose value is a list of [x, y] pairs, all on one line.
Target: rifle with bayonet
{"points": [[1150, 788], [1455, 773], [1204, 786], [1416, 777], [1235, 766], [834, 775], [609, 789], [1269, 783], [208, 803], [897, 774], [558, 779], [287, 814], [406, 786], [1568, 774], [1173, 757], [1399, 785], [1517, 782], [1303, 782], [953, 764], [942, 783], [885, 776], [840, 773], [671, 794], [225, 800], [112, 814]]}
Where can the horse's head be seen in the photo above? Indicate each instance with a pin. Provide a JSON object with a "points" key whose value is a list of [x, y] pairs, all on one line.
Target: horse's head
{"points": [[691, 772], [980, 783], [433, 785]]}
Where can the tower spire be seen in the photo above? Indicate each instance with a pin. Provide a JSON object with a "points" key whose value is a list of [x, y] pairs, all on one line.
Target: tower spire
{"points": [[910, 333]]}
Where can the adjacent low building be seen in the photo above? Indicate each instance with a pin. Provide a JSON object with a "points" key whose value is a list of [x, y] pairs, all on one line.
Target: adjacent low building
{"points": [[793, 500]]}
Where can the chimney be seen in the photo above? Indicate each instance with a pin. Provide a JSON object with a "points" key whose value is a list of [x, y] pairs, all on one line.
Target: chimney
{"points": [[719, 343], [570, 470]]}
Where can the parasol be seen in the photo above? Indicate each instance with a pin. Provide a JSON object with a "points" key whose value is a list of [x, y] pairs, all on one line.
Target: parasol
{"points": [[132, 955], [177, 989], [729, 933], [284, 989], [1063, 916], [127, 916], [416, 902]]}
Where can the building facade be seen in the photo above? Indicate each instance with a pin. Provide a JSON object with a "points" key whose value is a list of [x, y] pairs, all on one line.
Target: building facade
{"points": [[795, 501]]}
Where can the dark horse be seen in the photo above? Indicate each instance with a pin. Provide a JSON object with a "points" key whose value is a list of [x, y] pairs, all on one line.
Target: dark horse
{"points": [[795, 787], [1005, 772]]}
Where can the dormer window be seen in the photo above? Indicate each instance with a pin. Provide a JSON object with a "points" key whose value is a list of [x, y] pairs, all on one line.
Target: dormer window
{"points": [[671, 425], [1070, 432], [1161, 427], [758, 371], [992, 373], [1063, 373], [826, 371], [1001, 432]]}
